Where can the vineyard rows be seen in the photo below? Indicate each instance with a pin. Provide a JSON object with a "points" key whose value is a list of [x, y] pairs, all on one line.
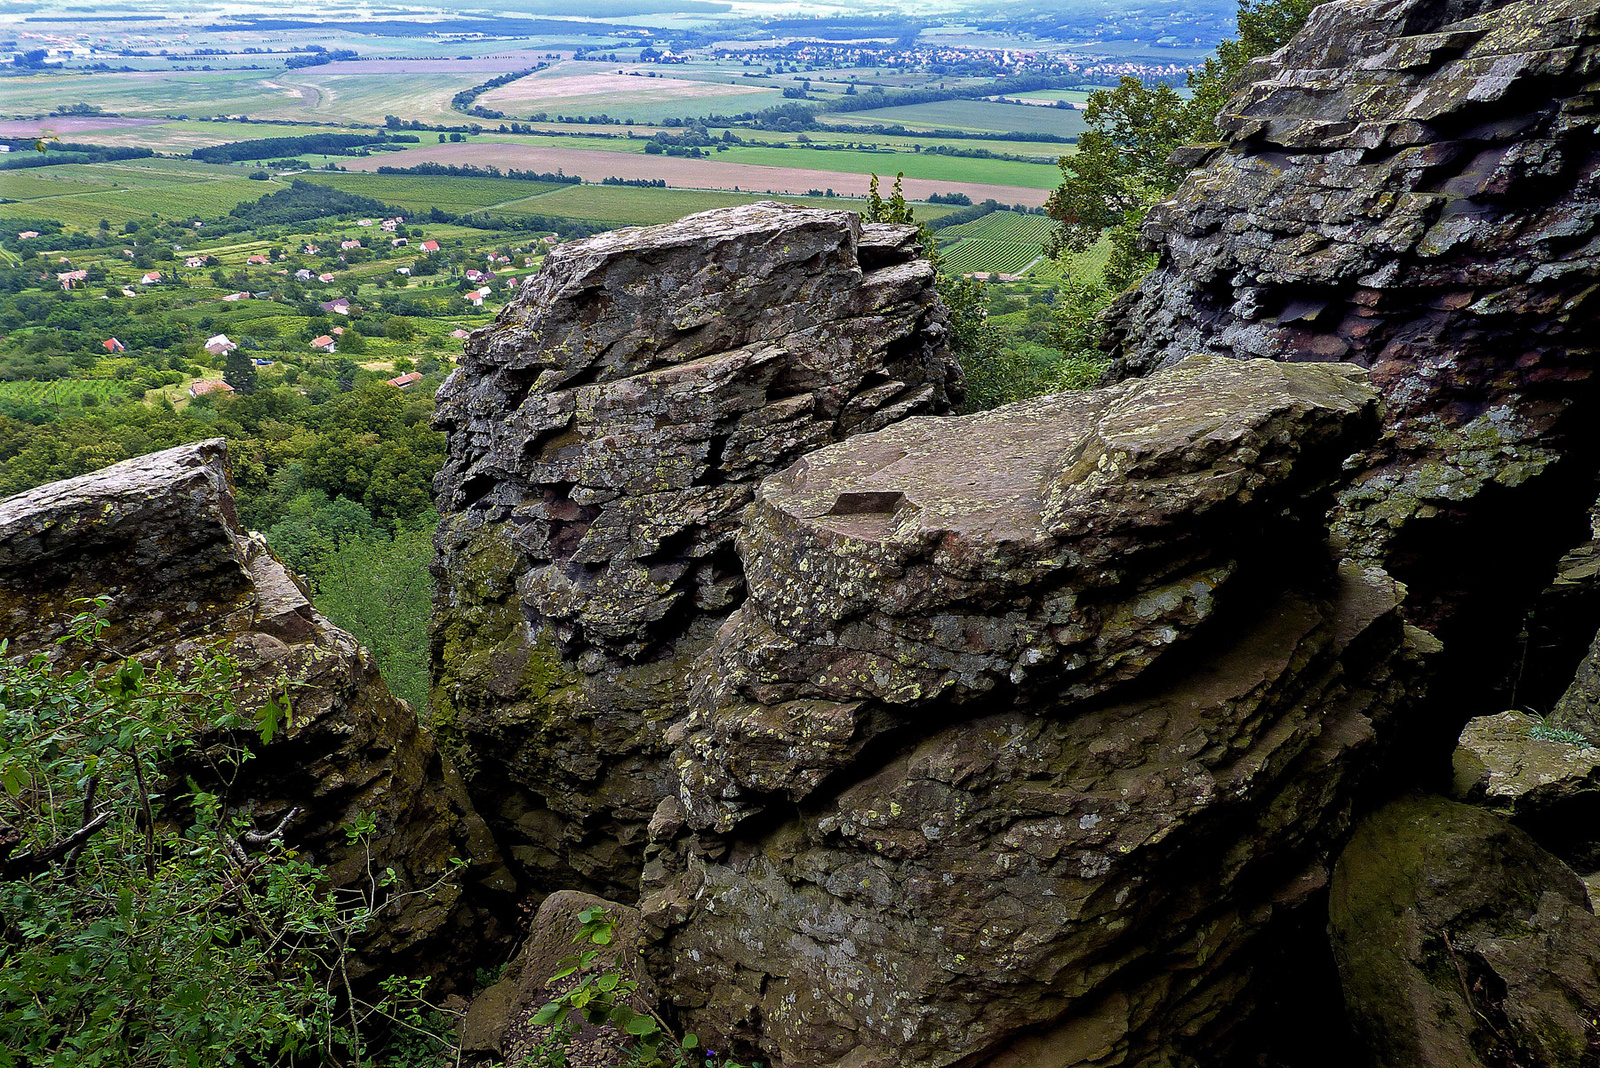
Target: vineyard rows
{"points": [[67, 391], [1002, 242]]}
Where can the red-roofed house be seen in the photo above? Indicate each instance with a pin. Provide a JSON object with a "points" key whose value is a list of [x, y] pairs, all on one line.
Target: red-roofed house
{"points": [[200, 389], [150, 279], [324, 342], [113, 345], [458, 332], [257, 261], [220, 345], [406, 379], [429, 246]]}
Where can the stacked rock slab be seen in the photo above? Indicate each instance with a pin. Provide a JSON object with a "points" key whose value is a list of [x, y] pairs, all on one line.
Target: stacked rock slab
{"points": [[1412, 186], [604, 435], [157, 536], [1031, 724]]}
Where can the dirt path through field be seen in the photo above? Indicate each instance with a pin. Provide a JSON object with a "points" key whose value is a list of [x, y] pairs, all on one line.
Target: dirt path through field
{"points": [[592, 165]]}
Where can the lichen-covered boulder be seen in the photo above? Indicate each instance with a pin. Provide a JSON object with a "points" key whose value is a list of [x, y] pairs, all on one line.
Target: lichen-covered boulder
{"points": [[157, 537], [1033, 724], [1414, 187], [604, 435], [1462, 944]]}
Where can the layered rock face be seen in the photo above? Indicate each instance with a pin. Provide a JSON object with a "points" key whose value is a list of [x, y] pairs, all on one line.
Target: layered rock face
{"points": [[158, 536], [1032, 723], [604, 436], [1413, 187]]}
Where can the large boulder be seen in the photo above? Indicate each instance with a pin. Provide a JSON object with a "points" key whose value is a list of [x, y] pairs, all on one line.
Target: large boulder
{"points": [[604, 435], [1414, 187], [1032, 725], [1462, 944], [157, 538]]}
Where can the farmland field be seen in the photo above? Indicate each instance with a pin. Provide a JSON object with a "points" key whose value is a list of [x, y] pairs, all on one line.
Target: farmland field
{"points": [[1002, 242], [419, 192], [975, 115], [203, 200], [928, 166], [28, 184], [711, 173], [563, 91], [66, 392]]}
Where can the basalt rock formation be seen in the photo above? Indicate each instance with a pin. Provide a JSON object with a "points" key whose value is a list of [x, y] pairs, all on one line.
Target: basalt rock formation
{"points": [[1414, 187], [604, 435], [1031, 723], [157, 536]]}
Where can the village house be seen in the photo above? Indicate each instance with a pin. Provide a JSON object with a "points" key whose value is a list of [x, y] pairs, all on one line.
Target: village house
{"points": [[322, 342], [303, 275], [312, 250], [402, 381], [220, 345], [475, 299], [352, 243], [23, 235], [399, 241], [257, 261], [459, 333], [429, 245], [153, 278], [68, 279], [128, 252], [111, 344], [200, 389], [325, 277], [364, 222], [336, 307], [194, 261], [231, 297], [403, 270]]}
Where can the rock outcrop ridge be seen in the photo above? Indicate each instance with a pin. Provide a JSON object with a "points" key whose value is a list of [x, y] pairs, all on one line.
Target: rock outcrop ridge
{"points": [[1414, 188], [604, 436], [158, 537]]}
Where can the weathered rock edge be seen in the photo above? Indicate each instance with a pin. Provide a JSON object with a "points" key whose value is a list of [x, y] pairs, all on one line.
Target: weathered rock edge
{"points": [[604, 435], [159, 537]]}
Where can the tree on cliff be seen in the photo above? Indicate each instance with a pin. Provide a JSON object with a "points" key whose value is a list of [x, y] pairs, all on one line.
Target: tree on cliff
{"points": [[1122, 164]]}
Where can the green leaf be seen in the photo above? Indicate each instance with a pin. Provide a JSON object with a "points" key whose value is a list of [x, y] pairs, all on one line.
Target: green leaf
{"points": [[269, 718], [608, 981], [548, 1014], [601, 937], [640, 1026], [690, 1041]]}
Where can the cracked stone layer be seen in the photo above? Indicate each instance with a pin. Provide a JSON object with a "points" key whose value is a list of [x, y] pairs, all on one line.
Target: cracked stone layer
{"points": [[159, 537], [605, 434], [975, 774]]}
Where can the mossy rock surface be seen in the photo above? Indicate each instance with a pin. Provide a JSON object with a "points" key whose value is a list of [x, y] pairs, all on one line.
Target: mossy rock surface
{"points": [[1462, 943]]}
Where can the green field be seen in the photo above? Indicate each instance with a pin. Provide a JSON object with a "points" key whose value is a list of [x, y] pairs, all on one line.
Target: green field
{"points": [[978, 116], [201, 200], [1002, 242], [419, 192], [65, 392], [28, 184], [914, 165]]}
